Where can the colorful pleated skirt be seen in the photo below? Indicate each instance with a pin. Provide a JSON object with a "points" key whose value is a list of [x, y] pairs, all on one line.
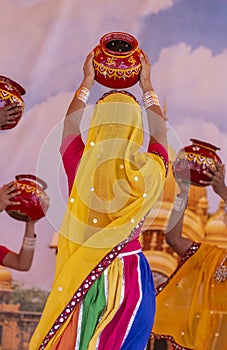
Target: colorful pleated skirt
{"points": [[118, 311]]}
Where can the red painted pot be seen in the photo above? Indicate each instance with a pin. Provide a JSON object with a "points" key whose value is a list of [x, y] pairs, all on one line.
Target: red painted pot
{"points": [[11, 92], [116, 60], [34, 202], [192, 160]]}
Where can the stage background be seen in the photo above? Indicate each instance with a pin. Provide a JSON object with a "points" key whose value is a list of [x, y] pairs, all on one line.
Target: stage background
{"points": [[43, 47]]}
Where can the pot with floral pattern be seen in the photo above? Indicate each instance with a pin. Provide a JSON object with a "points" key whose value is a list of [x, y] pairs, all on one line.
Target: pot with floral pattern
{"points": [[33, 199], [192, 160], [11, 92], [116, 60]]}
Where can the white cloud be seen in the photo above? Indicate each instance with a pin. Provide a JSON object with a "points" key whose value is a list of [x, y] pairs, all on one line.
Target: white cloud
{"points": [[19, 154], [155, 6], [193, 82], [45, 42]]}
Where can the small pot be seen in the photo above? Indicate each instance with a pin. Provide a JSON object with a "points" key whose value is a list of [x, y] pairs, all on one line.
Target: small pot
{"points": [[11, 92], [34, 202], [192, 160]]}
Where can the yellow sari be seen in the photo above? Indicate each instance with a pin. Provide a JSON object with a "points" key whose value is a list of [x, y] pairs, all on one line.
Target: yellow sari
{"points": [[191, 308], [115, 187]]}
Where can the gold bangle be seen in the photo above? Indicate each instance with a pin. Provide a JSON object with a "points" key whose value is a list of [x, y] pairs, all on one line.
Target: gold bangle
{"points": [[83, 94]]}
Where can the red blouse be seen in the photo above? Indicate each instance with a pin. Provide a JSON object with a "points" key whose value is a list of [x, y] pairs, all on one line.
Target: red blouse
{"points": [[3, 251]]}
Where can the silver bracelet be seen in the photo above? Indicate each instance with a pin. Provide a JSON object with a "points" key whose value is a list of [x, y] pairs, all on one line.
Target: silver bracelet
{"points": [[83, 94], [179, 203], [29, 243], [150, 98]]}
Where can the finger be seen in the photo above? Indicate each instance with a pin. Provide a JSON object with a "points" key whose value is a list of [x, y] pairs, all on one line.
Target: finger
{"points": [[220, 167], [11, 106], [14, 112], [146, 58], [214, 175], [14, 203], [10, 122], [203, 182], [13, 194], [9, 184]]}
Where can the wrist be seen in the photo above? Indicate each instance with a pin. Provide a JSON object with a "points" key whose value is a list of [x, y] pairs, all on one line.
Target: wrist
{"points": [[181, 201], [29, 242], [147, 86], [224, 195], [87, 83]]}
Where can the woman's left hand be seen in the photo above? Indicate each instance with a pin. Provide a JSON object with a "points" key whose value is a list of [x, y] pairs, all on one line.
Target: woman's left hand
{"points": [[217, 180], [145, 81]]}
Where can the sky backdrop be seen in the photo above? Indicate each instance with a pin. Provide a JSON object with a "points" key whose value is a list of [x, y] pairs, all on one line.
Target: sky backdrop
{"points": [[43, 47]]}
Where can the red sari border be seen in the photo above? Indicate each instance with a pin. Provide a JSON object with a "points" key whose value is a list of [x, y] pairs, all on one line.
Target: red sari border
{"points": [[86, 285]]}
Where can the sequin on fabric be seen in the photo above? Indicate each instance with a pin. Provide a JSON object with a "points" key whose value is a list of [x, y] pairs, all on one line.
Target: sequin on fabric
{"points": [[85, 286]]}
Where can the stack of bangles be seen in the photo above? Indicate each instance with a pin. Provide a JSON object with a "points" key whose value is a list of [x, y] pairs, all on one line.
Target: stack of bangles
{"points": [[29, 243], [83, 94], [150, 98], [180, 203]]}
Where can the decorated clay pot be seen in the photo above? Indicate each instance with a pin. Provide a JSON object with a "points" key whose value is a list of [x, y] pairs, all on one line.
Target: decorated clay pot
{"points": [[192, 160], [34, 202], [11, 92], [116, 60]]}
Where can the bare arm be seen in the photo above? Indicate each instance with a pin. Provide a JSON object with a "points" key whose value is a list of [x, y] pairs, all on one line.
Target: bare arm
{"points": [[156, 121], [75, 109], [23, 260], [174, 229]]}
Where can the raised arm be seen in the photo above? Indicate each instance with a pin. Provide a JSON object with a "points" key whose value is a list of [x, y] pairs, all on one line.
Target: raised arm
{"points": [[23, 260], [156, 121], [174, 229], [78, 103]]}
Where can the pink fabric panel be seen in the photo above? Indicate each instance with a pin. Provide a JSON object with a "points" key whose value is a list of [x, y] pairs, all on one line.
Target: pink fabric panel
{"points": [[114, 333]]}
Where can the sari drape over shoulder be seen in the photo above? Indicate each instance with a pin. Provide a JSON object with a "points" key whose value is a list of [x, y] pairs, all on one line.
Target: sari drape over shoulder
{"points": [[114, 188], [191, 307]]}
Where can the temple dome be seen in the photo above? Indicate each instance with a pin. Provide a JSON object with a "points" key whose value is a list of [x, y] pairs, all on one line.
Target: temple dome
{"points": [[216, 229], [5, 278]]}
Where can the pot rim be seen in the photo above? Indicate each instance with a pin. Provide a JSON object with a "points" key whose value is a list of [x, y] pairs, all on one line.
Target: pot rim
{"points": [[121, 36], [13, 83]]}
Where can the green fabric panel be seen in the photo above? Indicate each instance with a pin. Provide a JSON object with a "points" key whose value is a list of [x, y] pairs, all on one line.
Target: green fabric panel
{"points": [[93, 305]]}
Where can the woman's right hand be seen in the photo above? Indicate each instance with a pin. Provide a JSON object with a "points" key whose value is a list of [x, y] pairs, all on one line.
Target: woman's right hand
{"points": [[6, 193], [9, 113], [89, 71]]}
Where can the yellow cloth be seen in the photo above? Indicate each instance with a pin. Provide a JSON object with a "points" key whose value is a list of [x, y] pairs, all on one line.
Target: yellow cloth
{"points": [[192, 308], [115, 186]]}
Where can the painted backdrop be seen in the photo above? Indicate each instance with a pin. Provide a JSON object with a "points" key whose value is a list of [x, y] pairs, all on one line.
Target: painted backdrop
{"points": [[43, 47]]}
